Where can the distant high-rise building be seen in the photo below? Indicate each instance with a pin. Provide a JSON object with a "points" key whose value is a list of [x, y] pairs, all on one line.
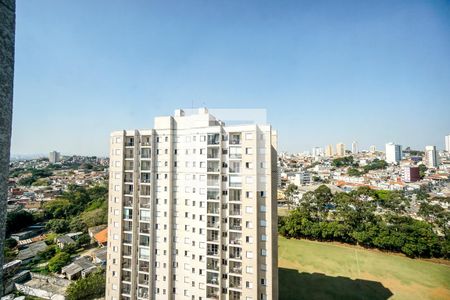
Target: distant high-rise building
{"points": [[431, 158], [373, 149], [54, 157], [447, 143], [193, 211], [410, 174], [355, 147], [340, 149], [317, 151], [393, 153], [329, 151]]}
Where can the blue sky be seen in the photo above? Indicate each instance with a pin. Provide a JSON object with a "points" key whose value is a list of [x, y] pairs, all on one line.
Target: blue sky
{"points": [[326, 71]]}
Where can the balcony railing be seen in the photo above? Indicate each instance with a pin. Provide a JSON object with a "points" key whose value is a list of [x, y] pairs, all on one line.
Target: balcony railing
{"points": [[213, 225], [212, 253], [235, 212], [235, 241], [235, 227], [214, 267]]}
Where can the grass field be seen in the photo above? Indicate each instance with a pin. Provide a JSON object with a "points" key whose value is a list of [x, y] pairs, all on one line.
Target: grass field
{"points": [[315, 270]]}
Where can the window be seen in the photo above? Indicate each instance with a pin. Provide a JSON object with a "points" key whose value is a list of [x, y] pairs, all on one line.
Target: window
{"points": [[263, 237], [248, 224], [262, 208], [248, 285], [263, 223], [263, 252], [249, 254], [249, 209], [248, 151], [249, 136], [263, 281], [249, 270], [249, 165], [249, 239]]}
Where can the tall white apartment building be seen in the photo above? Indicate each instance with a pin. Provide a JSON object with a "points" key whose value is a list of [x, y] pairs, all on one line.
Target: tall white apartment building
{"points": [[192, 211], [340, 149], [431, 157], [355, 149], [329, 151], [373, 149], [54, 157], [447, 143], [393, 153]]}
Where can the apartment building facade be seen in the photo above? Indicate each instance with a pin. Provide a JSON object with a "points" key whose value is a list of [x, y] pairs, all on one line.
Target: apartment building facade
{"points": [[192, 211]]}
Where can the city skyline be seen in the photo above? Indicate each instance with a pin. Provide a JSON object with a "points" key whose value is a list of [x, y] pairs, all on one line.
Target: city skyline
{"points": [[320, 72]]}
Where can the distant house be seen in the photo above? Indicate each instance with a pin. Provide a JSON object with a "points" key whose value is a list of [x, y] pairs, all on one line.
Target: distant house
{"points": [[31, 251], [79, 268], [74, 235], [63, 241], [92, 231], [99, 256], [102, 237]]}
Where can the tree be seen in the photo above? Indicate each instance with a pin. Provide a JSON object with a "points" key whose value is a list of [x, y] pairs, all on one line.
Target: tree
{"points": [[91, 287], [354, 172], [290, 192], [58, 225], [10, 243], [422, 171], [58, 261], [17, 220], [83, 240]]}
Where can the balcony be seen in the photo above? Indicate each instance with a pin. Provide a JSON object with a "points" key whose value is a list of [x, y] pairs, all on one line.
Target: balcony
{"points": [[128, 177], [212, 278], [235, 253], [213, 139], [212, 293], [213, 236], [144, 241], [213, 167], [127, 251], [146, 153], [128, 201], [213, 222], [144, 228], [126, 264], [144, 266], [127, 226], [235, 212], [142, 292], [213, 194], [127, 238], [129, 154], [235, 282], [235, 267], [213, 153], [235, 139], [235, 224], [129, 141], [145, 191], [145, 178], [126, 276], [235, 181], [126, 289], [146, 165], [212, 208], [235, 195], [146, 141], [127, 213], [235, 295], [212, 264], [212, 250], [213, 180], [128, 166], [235, 238], [144, 202]]}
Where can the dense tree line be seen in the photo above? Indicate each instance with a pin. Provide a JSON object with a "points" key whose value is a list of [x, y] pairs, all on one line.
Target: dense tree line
{"points": [[91, 287], [354, 218], [77, 209]]}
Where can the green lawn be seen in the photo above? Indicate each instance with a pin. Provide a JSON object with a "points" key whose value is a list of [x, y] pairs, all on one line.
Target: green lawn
{"points": [[315, 270]]}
